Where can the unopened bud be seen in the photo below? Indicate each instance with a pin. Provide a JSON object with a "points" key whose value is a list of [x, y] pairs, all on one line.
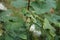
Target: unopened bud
{"points": [[32, 28], [2, 7]]}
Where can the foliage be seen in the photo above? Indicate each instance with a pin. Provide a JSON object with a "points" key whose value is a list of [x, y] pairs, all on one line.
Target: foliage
{"points": [[16, 21]]}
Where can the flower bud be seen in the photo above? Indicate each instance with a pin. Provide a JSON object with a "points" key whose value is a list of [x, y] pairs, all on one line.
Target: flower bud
{"points": [[2, 7], [32, 28]]}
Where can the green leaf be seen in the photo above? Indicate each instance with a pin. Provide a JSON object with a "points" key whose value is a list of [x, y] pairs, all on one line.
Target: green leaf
{"points": [[19, 3], [7, 37], [48, 26], [54, 19], [49, 37], [23, 36], [40, 8]]}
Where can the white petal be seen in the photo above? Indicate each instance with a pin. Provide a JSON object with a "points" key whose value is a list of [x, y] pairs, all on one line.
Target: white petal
{"points": [[32, 28], [37, 33], [2, 7]]}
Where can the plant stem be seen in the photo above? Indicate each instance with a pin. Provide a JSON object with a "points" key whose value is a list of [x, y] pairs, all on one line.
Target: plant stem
{"points": [[28, 4]]}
